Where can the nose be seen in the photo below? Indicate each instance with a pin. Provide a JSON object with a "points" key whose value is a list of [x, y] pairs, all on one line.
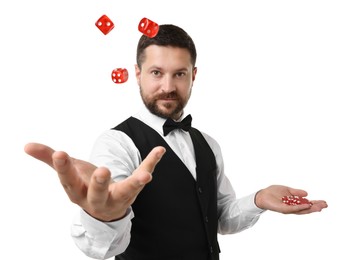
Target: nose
{"points": [[168, 84]]}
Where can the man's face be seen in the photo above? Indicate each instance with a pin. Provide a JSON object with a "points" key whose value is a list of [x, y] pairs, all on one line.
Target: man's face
{"points": [[165, 80]]}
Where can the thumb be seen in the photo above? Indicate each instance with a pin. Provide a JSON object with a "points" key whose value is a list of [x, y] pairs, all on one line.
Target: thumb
{"points": [[151, 160], [298, 192]]}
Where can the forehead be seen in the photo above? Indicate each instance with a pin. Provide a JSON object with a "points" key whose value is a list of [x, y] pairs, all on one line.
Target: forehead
{"points": [[167, 55]]}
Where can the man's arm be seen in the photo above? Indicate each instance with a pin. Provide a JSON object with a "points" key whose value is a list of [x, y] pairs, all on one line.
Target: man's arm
{"points": [[95, 192]]}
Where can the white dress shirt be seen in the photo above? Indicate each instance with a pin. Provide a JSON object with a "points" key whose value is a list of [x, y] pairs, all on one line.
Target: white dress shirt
{"points": [[116, 151]]}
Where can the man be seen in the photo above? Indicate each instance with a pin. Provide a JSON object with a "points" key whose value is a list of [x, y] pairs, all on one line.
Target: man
{"points": [[158, 191]]}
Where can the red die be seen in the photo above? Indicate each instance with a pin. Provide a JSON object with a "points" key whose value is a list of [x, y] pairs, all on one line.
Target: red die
{"points": [[148, 27], [295, 200], [104, 24], [119, 75]]}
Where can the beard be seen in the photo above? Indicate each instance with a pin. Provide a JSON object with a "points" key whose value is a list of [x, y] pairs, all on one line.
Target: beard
{"points": [[172, 110]]}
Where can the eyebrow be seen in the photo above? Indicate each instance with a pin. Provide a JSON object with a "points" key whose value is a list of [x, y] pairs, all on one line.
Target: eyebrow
{"points": [[160, 68]]}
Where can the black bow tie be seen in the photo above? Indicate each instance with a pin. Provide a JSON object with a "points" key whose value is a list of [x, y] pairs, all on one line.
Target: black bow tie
{"points": [[170, 125]]}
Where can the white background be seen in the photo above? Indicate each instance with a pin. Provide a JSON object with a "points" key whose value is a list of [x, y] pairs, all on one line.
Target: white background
{"points": [[274, 72]]}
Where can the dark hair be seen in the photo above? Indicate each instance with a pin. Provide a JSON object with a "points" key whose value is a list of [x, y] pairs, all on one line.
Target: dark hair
{"points": [[168, 35]]}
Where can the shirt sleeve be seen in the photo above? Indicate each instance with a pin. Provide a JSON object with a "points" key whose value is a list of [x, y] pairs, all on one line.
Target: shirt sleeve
{"points": [[102, 240], [235, 214]]}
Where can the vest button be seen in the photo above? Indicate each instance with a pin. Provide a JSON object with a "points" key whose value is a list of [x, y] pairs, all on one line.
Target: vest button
{"points": [[211, 249], [206, 219], [200, 190]]}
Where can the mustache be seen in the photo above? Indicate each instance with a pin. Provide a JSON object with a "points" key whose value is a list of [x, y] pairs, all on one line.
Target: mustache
{"points": [[167, 95]]}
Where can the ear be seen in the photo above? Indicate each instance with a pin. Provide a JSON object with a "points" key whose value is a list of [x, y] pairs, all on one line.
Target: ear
{"points": [[137, 73], [194, 72]]}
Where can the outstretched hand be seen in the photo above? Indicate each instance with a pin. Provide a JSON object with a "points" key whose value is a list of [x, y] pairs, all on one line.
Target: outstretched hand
{"points": [[92, 188], [270, 198]]}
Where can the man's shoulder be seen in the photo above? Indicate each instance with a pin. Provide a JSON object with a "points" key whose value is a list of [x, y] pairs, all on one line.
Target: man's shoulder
{"points": [[131, 120], [210, 140]]}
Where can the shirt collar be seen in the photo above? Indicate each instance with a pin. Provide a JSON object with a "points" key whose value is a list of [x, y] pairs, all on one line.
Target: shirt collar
{"points": [[152, 120]]}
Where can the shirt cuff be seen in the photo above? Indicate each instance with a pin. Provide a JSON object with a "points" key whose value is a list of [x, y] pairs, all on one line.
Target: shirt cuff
{"points": [[248, 204], [96, 227], [101, 240]]}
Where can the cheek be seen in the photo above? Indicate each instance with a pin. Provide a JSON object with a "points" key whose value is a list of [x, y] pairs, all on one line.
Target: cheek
{"points": [[149, 89], [150, 86], [185, 92]]}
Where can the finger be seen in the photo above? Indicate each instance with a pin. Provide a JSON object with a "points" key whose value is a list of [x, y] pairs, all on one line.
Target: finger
{"points": [[298, 192], [296, 209], [98, 191], [315, 206], [68, 175], [318, 205], [40, 152]]}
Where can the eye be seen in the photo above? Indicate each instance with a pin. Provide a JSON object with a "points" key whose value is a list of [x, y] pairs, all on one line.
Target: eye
{"points": [[180, 74], [156, 73]]}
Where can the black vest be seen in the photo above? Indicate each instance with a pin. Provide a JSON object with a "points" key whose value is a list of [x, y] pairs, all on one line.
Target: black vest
{"points": [[175, 215]]}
